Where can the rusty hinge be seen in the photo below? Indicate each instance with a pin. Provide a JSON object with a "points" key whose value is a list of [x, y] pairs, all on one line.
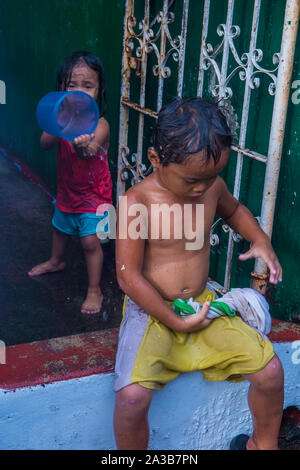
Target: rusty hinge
{"points": [[259, 282], [136, 64]]}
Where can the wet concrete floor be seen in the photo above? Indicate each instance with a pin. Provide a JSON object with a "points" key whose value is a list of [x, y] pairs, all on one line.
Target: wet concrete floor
{"points": [[47, 306]]}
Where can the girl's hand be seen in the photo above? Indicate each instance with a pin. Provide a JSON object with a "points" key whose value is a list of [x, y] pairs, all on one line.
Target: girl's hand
{"points": [[262, 248], [83, 141], [90, 145], [86, 146]]}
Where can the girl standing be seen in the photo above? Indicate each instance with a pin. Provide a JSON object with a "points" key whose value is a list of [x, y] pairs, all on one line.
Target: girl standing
{"points": [[84, 180]]}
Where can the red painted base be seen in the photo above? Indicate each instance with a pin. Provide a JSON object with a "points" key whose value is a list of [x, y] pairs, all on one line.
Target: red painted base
{"points": [[284, 332], [52, 360], [47, 361]]}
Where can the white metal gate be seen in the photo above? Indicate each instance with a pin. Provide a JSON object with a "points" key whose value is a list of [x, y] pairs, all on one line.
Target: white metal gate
{"points": [[140, 41]]}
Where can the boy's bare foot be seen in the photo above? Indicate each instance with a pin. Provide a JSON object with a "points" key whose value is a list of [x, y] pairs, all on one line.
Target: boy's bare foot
{"points": [[47, 267], [93, 301], [251, 445]]}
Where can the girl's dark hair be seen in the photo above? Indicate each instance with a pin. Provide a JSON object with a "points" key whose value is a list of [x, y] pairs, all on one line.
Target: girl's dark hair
{"points": [[188, 126], [65, 71]]}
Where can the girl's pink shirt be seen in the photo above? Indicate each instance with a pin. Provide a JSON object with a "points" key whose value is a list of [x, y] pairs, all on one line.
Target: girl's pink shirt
{"points": [[82, 184]]}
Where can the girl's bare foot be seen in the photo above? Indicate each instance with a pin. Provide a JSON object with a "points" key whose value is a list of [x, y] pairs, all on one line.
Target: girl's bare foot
{"points": [[93, 301], [47, 267]]}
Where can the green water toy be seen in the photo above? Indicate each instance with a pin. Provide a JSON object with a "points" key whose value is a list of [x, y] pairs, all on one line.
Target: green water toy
{"points": [[221, 307], [183, 308]]}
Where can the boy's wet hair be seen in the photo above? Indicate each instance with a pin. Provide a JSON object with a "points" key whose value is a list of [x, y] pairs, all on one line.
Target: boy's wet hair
{"points": [[67, 65], [186, 127]]}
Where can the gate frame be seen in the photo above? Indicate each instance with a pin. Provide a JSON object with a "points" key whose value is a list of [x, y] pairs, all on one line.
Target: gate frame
{"points": [[248, 67]]}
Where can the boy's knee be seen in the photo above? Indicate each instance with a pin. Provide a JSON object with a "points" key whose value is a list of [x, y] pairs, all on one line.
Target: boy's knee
{"points": [[275, 373], [274, 369], [133, 400], [270, 378]]}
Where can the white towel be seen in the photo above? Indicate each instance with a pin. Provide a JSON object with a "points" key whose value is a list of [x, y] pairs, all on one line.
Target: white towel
{"points": [[251, 306]]}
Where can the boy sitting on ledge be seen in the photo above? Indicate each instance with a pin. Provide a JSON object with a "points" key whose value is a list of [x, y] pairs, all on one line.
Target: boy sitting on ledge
{"points": [[191, 146]]}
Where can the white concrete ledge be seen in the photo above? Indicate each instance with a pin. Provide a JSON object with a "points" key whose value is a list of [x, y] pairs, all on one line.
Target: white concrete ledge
{"points": [[77, 414]]}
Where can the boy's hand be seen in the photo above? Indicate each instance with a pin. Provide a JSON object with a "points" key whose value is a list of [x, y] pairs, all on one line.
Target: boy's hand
{"points": [[197, 321], [262, 248]]}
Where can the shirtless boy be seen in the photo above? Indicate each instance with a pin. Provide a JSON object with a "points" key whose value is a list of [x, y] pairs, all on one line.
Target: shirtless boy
{"points": [[191, 146]]}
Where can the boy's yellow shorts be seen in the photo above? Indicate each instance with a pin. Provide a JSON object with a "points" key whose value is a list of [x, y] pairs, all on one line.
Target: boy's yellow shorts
{"points": [[151, 354]]}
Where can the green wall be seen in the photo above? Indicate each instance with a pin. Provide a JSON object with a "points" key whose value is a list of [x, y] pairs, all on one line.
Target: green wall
{"points": [[35, 34]]}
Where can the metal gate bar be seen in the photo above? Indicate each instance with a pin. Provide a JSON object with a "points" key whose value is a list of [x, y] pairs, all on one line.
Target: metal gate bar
{"points": [[242, 137], [247, 67], [288, 42]]}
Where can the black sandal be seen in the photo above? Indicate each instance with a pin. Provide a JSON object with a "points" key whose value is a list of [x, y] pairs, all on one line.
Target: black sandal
{"points": [[239, 442]]}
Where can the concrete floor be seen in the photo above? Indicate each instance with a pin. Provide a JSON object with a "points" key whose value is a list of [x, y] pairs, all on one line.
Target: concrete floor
{"points": [[47, 306]]}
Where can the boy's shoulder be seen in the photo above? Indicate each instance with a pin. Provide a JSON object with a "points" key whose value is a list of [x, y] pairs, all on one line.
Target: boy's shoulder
{"points": [[140, 192], [221, 187], [144, 190], [220, 184]]}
